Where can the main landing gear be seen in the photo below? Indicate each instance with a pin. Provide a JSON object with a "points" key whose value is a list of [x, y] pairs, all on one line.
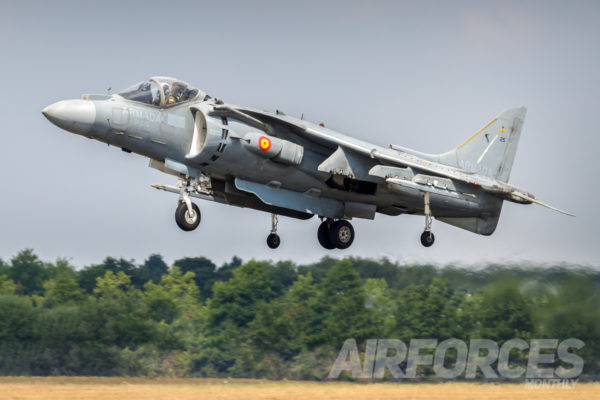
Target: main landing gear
{"points": [[335, 234]]}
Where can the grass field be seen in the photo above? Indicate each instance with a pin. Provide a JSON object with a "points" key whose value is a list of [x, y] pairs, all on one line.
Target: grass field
{"points": [[139, 388]]}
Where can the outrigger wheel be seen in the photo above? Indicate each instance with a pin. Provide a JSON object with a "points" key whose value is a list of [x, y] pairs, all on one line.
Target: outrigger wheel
{"points": [[273, 240], [187, 220], [427, 238]]}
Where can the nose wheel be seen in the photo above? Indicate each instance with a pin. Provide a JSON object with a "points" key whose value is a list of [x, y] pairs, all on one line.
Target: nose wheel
{"points": [[427, 238], [273, 240], [187, 216]]}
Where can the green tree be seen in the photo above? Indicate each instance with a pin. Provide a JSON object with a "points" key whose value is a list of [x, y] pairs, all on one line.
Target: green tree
{"points": [[233, 306], [17, 318], [381, 307], [176, 294], [504, 311], [63, 289], [572, 310], [225, 271], [302, 307], [152, 270], [19, 344], [113, 286], [422, 313], [235, 300], [204, 272], [28, 272], [7, 286], [283, 274], [117, 314], [318, 270], [88, 276], [341, 303]]}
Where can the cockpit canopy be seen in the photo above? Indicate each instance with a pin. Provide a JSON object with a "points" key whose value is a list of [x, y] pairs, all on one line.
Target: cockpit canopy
{"points": [[162, 91]]}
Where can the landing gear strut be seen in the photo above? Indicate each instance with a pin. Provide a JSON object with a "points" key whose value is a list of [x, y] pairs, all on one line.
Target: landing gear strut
{"points": [[187, 214], [427, 237], [273, 239], [335, 234]]}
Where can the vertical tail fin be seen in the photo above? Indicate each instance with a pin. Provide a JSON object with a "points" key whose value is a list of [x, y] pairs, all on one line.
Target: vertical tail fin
{"points": [[491, 150]]}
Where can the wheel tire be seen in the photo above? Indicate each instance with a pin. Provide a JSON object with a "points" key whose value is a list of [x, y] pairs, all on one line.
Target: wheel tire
{"points": [[323, 236], [273, 240], [427, 238], [341, 234], [185, 221]]}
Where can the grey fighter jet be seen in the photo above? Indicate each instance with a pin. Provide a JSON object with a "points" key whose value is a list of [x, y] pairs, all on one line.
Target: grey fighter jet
{"points": [[289, 167]]}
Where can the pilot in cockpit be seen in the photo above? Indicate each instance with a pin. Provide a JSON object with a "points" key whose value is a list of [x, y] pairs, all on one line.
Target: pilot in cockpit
{"points": [[162, 91], [177, 93]]}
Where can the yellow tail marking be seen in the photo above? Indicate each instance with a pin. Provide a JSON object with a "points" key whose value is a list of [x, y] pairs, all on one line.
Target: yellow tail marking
{"points": [[477, 133]]}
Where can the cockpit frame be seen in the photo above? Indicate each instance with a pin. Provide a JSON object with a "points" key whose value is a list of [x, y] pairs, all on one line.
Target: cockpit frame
{"points": [[163, 92]]}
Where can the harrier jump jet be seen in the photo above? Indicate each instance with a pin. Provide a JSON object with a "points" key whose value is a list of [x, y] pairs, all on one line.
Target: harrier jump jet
{"points": [[287, 166]]}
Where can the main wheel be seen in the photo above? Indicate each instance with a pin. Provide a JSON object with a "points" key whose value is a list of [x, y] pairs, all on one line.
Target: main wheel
{"points": [[186, 220], [323, 236], [427, 238], [273, 240], [341, 234]]}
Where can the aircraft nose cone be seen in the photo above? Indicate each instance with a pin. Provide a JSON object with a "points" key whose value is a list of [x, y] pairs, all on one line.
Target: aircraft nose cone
{"points": [[75, 116]]}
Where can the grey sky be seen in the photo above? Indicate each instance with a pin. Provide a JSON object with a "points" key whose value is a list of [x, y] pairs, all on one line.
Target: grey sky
{"points": [[424, 75]]}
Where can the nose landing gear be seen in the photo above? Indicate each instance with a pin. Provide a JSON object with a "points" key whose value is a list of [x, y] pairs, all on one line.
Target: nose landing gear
{"points": [[187, 216]]}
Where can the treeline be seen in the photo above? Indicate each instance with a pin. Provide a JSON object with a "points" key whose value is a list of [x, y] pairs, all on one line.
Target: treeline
{"points": [[262, 319]]}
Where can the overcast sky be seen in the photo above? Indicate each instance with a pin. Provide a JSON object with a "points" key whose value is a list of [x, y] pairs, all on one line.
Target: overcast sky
{"points": [[424, 75]]}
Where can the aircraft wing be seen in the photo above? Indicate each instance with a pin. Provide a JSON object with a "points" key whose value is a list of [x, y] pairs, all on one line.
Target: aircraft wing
{"points": [[331, 139]]}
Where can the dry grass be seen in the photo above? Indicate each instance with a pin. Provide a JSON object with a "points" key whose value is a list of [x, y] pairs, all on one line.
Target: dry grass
{"points": [[183, 389]]}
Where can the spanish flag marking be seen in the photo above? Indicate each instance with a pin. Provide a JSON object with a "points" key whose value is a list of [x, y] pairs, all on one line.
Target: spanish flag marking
{"points": [[264, 143]]}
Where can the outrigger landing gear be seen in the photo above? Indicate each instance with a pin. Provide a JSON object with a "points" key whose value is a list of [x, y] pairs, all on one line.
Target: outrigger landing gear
{"points": [[273, 239], [335, 234], [187, 214], [427, 237]]}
